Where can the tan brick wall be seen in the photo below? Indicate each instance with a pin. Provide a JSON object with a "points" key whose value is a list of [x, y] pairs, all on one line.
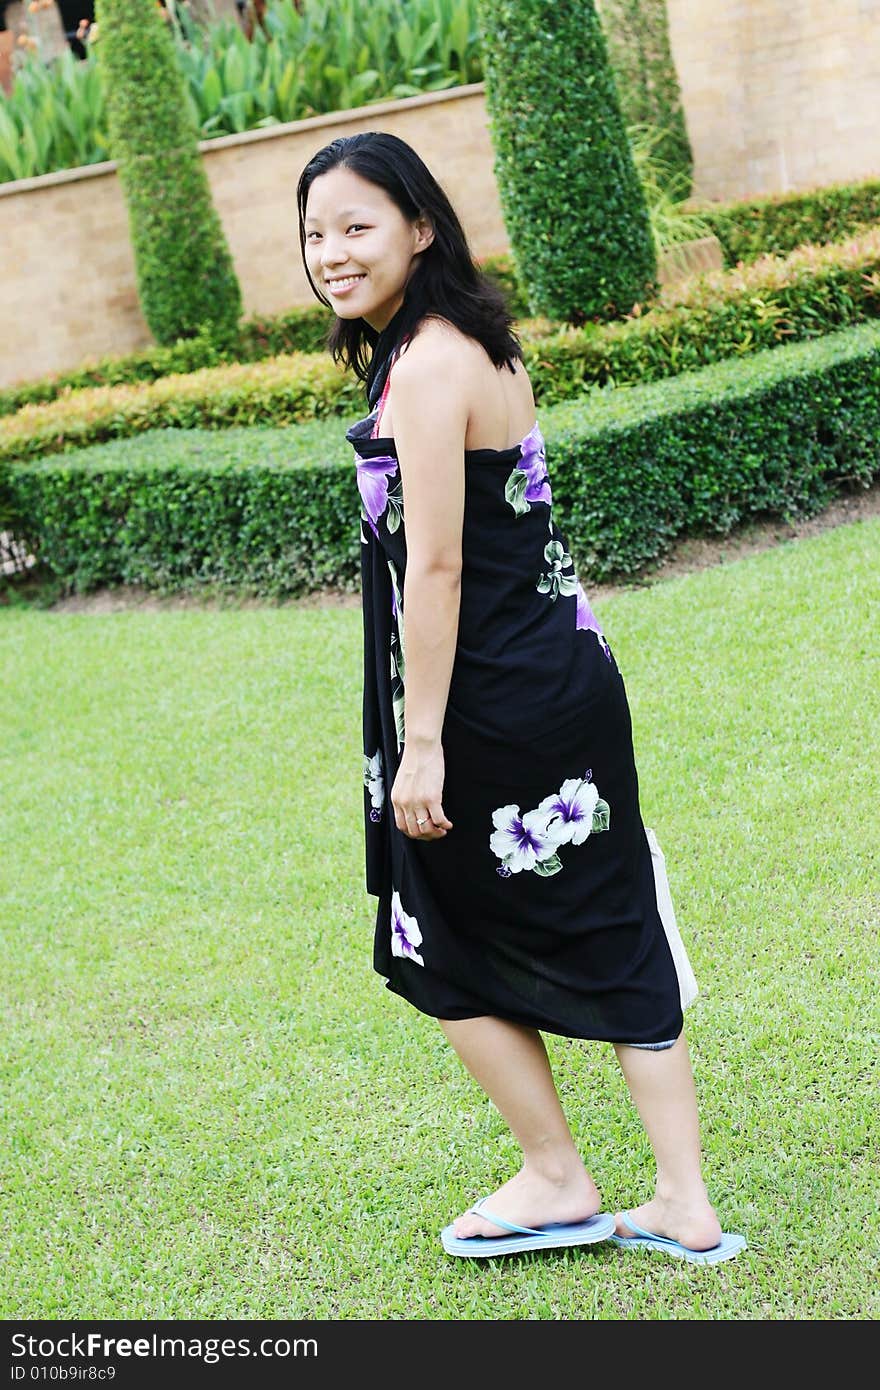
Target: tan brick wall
{"points": [[778, 94], [67, 284]]}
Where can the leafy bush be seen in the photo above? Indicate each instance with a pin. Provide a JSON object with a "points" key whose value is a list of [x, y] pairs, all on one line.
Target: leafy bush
{"points": [[573, 206], [777, 225], [721, 314], [275, 512], [186, 279], [55, 117], [262, 336], [283, 390], [666, 189], [326, 55]]}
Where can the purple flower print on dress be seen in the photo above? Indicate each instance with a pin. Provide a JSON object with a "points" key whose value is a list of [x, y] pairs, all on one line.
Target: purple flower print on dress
{"points": [[533, 463], [522, 841], [572, 810], [372, 481], [405, 933], [531, 841], [529, 481], [586, 618]]}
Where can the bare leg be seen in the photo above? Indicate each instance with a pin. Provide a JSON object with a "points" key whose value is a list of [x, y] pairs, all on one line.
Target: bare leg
{"points": [[662, 1087], [511, 1064]]}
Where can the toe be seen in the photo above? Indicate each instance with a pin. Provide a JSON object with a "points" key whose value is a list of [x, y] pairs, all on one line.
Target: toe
{"points": [[620, 1226], [472, 1225]]}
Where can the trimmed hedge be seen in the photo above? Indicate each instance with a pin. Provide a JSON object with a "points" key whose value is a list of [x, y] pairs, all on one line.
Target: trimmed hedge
{"points": [[778, 434], [776, 226], [574, 208], [723, 314], [719, 315], [257, 338], [285, 390], [275, 512]]}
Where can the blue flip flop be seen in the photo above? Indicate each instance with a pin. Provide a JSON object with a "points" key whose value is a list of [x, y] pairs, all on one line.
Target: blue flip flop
{"points": [[728, 1246], [598, 1227]]}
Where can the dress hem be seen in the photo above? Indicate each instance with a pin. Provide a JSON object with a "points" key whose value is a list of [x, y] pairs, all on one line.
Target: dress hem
{"points": [[511, 1017]]}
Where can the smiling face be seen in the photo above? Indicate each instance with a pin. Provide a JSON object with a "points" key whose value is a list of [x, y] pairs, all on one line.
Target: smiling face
{"points": [[360, 248]]}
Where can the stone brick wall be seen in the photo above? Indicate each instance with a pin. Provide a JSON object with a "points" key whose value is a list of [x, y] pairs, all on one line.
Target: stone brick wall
{"points": [[67, 284], [778, 94]]}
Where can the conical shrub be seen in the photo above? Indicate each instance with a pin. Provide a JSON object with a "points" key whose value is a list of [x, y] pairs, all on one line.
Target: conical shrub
{"points": [[575, 213], [186, 279]]}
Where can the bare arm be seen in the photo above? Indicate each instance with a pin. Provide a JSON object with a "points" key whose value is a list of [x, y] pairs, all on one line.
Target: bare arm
{"points": [[430, 423]]}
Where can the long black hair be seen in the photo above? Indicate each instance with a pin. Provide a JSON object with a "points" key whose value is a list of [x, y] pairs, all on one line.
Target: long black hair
{"points": [[446, 279]]}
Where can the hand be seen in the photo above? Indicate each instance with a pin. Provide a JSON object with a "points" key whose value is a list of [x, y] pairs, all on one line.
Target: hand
{"points": [[417, 793]]}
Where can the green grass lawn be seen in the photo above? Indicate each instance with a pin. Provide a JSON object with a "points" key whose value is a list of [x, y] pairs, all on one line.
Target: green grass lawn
{"points": [[212, 1107]]}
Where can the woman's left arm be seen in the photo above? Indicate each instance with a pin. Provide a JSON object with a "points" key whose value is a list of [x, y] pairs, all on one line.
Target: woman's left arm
{"points": [[430, 422]]}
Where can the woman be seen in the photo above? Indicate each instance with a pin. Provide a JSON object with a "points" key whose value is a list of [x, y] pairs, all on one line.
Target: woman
{"points": [[504, 839]]}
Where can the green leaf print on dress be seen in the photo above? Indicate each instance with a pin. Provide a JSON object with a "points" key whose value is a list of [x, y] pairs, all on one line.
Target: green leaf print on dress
{"points": [[515, 491], [555, 582], [394, 514]]}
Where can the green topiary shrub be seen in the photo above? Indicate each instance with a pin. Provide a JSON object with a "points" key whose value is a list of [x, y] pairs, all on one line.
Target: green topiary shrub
{"points": [[186, 279], [637, 34], [574, 209]]}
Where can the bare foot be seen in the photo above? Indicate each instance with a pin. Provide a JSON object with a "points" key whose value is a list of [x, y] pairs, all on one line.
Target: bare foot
{"points": [[530, 1199], [695, 1225]]}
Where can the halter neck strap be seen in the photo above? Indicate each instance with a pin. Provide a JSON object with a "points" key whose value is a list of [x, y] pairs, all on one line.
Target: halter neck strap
{"points": [[381, 403]]}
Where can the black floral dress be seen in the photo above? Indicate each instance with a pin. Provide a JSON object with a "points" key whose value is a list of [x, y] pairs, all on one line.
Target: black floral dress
{"points": [[540, 905]]}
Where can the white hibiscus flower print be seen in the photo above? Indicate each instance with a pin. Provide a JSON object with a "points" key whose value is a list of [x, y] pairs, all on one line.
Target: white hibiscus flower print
{"points": [[522, 841], [374, 781], [532, 840], [576, 810]]}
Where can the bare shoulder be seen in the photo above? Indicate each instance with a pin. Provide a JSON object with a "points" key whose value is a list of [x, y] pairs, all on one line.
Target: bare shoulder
{"points": [[438, 346]]}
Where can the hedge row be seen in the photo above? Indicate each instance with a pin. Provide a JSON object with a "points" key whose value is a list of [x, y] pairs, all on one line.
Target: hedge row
{"points": [[747, 231], [815, 291], [301, 386], [258, 338], [275, 512], [776, 226], [719, 315]]}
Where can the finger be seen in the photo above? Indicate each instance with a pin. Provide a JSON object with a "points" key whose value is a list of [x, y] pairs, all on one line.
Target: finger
{"points": [[439, 817], [427, 830]]}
